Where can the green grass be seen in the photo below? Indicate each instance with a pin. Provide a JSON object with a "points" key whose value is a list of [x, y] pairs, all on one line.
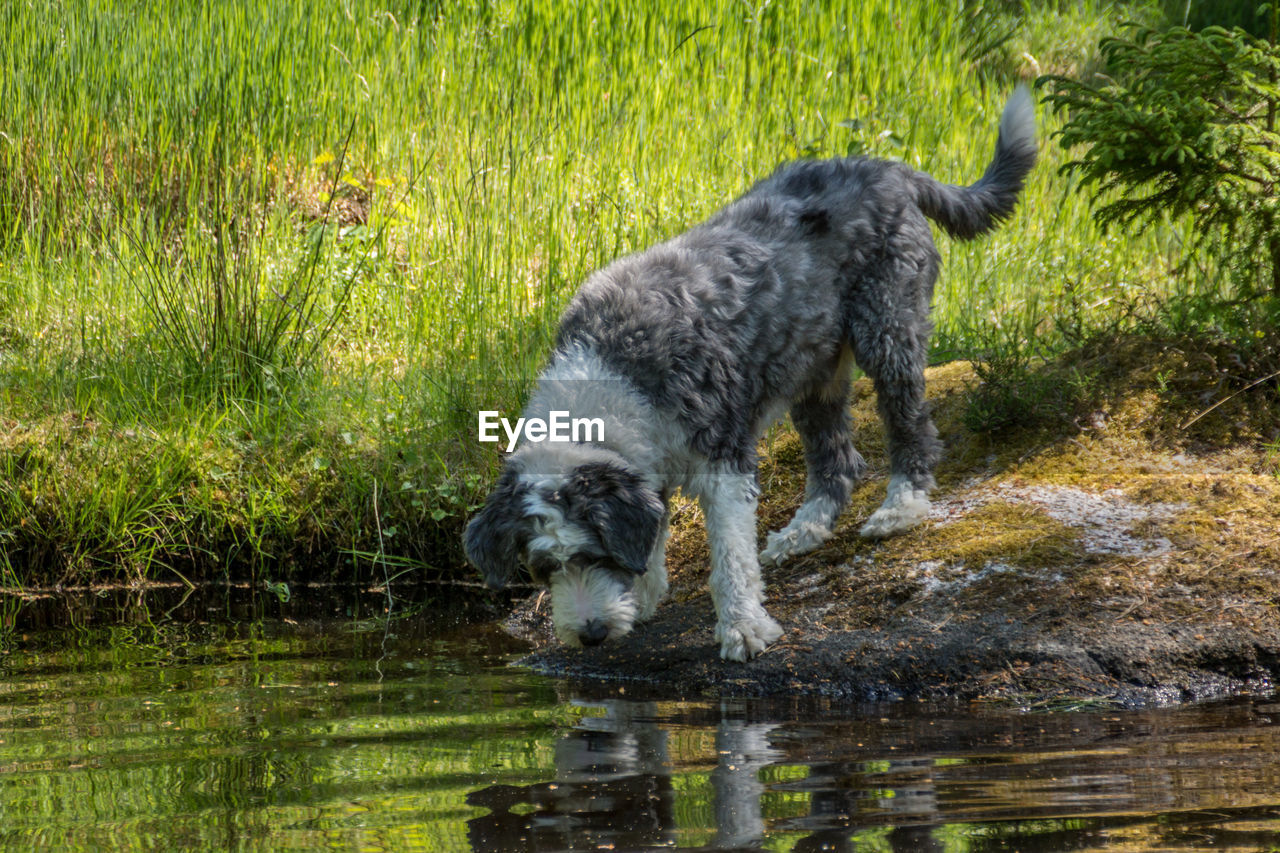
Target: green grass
{"points": [[442, 176]]}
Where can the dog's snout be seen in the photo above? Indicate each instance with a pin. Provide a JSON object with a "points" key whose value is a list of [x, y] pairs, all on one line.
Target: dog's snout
{"points": [[593, 633]]}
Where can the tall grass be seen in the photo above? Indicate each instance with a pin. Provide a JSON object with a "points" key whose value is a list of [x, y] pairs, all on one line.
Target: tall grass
{"points": [[500, 151]]}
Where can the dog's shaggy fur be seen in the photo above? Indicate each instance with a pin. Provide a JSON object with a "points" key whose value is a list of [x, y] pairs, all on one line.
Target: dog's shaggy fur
{"points": [[690, 349]]}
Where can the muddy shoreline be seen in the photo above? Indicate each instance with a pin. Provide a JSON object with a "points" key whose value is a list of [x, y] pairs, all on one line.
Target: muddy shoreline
{"points": [[991, 656], [1126, 560]]}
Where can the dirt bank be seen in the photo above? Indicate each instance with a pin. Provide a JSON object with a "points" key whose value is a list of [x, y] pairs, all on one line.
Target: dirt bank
{"points": [[1122, 555]]}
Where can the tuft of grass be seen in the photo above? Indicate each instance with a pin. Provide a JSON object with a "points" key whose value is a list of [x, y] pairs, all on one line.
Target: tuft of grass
{"points": [[1020, 388]]}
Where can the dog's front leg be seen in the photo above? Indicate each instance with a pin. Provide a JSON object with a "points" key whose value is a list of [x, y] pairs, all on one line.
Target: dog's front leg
{"points": [[743, 628], [651, 587]]}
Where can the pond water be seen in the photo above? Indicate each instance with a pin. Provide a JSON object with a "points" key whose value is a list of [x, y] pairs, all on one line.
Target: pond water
{"points": [[233, 720]]}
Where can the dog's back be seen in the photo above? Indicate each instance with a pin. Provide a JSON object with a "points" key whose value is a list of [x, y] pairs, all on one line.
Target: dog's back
{"points": [[857, 198], [753, 305]]}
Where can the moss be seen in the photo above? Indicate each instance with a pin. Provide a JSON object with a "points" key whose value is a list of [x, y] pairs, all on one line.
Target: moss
{"points": [[1012, 534]]}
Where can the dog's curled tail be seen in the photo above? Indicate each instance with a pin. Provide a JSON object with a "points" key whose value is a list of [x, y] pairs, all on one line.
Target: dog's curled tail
{"points": [[966, 212]]}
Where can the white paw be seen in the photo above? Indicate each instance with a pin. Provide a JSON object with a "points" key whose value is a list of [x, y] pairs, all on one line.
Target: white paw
{"points": [[746, 638], [777, 548], [791, 541], [902, 511]]}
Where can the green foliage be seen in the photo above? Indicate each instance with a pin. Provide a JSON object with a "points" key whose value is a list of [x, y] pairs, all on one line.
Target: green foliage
{"points": [[241, 317], [501, 151], [1250, 15], [1184, 123], [1021, 386]]}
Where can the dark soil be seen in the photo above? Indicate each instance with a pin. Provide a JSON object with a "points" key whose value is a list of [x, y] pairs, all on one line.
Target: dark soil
{"points": [[987, 655]]}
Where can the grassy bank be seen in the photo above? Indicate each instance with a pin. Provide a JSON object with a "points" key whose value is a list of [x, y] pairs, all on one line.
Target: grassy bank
{"points": [[261, 263]]}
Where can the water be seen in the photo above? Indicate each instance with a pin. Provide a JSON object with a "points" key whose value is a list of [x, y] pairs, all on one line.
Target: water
{"points": [[243, 722]]}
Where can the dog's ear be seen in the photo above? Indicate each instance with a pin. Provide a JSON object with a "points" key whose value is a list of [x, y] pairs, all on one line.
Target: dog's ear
{"points": [[624, 512], [494, 537]]}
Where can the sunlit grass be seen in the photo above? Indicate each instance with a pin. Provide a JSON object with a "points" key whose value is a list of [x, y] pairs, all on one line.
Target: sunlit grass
{"points": [[494, 155]]}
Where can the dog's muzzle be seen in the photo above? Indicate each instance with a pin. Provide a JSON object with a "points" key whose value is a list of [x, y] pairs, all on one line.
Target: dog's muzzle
{"points": [[593, 633]]}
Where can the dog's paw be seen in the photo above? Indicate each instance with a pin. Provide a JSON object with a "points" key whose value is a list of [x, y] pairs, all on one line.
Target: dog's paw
{"points": [[778, 547], [648, 593], [745, 638], [792, 541], [902, 511]]}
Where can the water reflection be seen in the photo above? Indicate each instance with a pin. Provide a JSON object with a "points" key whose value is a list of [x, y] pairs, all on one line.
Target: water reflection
{"points": [[613, 786], [236, 720], [634, 775]]}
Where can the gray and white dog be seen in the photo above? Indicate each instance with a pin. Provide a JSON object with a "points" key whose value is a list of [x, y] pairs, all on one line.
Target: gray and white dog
{"points": [[689, 350]]}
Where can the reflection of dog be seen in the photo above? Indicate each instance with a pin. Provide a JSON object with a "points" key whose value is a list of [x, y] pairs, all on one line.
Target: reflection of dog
{"points": [[613, 786], [689, 350]]}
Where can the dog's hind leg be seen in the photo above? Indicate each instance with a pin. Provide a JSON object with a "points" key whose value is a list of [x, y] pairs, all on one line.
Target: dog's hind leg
{"points": [[743, 628], [892, 347], [913, 450], [832, 466]]}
